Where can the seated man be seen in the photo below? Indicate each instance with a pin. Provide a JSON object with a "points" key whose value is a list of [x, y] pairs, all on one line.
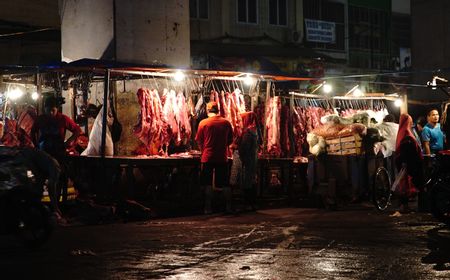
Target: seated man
{"points": [[44, 167]]}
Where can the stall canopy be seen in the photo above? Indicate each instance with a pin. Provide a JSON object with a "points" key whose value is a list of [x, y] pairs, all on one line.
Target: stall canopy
{"points": [[100, 66]]}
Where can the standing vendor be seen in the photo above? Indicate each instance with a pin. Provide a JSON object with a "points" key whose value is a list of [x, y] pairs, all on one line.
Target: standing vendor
{"points": [[214, 135], [49, 130]]}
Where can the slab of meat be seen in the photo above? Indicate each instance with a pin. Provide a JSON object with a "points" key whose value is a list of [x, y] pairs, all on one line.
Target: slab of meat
{"points": [[184, 125], [141, 130], [161, 122], [151, 128], [273, 126], [170, 114], [284, 131]]}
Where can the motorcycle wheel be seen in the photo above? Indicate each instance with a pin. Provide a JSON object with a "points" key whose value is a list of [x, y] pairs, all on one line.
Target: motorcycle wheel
{"points": [[440, 200], [34, 224]]}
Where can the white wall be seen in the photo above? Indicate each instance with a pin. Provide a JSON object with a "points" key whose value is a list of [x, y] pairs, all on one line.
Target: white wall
{"points": [[87, 28], [152, 31]]}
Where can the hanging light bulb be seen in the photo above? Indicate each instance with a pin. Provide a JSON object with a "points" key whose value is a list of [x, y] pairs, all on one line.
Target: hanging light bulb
{"points": [[358, 92], [398, 102], [179, 76], [248, 80], [34, 95], [327, 88], [15, 93]]}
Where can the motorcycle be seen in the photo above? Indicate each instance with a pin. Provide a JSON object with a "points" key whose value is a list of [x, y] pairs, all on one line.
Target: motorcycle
{"points": [[22, 213]]}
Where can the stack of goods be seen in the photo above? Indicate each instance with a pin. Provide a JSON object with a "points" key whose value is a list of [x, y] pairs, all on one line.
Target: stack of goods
{"points": [[338, 136], [304, 120], [347, 145]]}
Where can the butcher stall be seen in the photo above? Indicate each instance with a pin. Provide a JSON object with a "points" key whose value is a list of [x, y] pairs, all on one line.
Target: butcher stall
{"points": [[140, 122]]}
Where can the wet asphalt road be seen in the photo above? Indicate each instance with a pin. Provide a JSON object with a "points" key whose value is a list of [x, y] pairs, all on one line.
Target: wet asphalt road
{"points": [[289, 243]]}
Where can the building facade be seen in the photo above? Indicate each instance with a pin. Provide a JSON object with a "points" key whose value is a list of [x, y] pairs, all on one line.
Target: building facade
{"points": [[315, 38], [303, 37]]}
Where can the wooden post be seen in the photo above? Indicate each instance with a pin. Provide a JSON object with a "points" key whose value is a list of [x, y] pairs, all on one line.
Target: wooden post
{"points": [[404, 107], [105, 110]]}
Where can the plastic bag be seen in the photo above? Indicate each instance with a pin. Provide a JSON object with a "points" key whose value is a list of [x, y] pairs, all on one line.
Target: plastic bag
{"points": [[400, 176], [236, 169]]}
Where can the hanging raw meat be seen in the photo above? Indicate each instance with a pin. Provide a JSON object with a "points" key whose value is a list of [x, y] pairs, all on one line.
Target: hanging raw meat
{"points": [[224, 110], [273, 127], [284, 131], [141, 130], [151, 128], [160, 128], [184, 126], [169, 113]]}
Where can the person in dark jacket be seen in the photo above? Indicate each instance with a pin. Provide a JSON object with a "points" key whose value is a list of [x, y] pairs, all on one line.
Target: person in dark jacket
{"points": [[46, 170], [248, 153], [408, 155], [417, 130]]}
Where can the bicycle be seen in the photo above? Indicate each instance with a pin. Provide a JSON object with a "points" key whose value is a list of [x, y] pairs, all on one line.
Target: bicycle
{"points": [[382, 189]]}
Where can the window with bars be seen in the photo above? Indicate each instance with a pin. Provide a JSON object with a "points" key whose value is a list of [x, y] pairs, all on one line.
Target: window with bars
{"points": [[247, 11], [368, 37], [278, 12], [199, 9], [370, 33]]}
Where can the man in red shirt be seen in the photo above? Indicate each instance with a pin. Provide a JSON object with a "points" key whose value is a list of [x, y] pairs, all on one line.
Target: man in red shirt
{"points": [[214, 135], [49, 133], [49, 130]]}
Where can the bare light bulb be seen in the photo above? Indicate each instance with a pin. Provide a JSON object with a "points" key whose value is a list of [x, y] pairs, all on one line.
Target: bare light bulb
{"points": [[179, 76], [34, 96], [327, 88], [15, 93], [398, 102]]}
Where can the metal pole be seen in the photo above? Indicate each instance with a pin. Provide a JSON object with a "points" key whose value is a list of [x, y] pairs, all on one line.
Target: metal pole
{"points": [[105, 110], [404, 106], [39, 102]]}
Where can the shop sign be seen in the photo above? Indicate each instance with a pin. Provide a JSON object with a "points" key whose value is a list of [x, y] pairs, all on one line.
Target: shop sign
{"points": [[320, 31]]}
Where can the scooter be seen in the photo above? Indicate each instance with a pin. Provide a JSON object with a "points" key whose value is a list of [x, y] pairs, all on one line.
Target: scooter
{"points": [[22, 213]]}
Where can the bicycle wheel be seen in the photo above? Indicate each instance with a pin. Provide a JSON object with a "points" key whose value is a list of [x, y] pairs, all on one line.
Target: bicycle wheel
{"points": [[382, 189]]}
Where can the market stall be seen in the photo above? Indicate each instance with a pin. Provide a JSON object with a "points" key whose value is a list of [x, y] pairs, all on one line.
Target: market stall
{"points": [[129, 153], [141, 122], [345, 137]]}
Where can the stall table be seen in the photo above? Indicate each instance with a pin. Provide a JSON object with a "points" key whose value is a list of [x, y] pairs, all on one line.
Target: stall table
{"points": [[122, 170]]}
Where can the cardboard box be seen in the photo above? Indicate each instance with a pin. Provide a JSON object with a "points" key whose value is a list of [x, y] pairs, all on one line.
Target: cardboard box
{"points": [[347, 145]]}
